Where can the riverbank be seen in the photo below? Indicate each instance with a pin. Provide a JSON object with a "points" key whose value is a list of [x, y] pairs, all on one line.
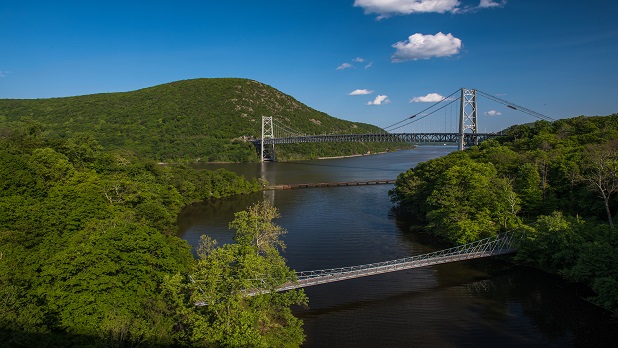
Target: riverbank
{"points": [[358, 155], [319, 158], [365, 154]]}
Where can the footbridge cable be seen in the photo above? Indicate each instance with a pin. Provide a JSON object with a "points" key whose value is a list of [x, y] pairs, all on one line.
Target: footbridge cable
{"points": [[502, 244]]}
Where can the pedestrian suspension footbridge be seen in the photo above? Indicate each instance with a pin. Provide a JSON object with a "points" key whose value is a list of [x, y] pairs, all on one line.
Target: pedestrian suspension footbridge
{"points": [[501, 244], [465, 133]]}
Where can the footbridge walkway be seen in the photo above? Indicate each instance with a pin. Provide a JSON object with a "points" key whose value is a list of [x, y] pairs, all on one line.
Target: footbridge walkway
{"points": [[492, 246]]}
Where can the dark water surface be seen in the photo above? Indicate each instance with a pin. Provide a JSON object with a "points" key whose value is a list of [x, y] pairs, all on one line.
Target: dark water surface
{"points": [[481, 303]]}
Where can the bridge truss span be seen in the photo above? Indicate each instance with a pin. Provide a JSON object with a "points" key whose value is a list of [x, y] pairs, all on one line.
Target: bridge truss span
{"points": [[415, 138], [498, 245]]}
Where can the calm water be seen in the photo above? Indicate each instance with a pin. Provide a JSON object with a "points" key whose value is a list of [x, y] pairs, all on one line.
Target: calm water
{"points": [[481, 303]]}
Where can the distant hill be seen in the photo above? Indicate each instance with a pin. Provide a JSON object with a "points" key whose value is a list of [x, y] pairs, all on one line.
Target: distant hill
{"points": [[190, 120]]}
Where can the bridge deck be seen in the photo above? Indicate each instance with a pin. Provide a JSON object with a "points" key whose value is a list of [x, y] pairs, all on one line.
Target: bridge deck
{"points": [[335, 277], [415, 138]]}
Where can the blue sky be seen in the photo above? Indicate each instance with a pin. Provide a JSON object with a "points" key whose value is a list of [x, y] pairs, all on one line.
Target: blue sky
{"points": [[373, 61]]}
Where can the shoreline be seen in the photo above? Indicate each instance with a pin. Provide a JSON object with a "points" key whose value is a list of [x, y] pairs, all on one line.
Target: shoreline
{"points": [[318, 158], [359, 155]]}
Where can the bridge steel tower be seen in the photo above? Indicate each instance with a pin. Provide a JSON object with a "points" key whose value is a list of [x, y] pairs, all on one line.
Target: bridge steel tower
{"points": [[467, 116], [268, 132]]}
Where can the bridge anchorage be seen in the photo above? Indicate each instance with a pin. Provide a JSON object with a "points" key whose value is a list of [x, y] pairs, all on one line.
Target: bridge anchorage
{"points": [[498, 245], [467, 135]]}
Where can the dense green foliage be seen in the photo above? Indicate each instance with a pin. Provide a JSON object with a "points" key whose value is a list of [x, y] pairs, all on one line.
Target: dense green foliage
{"points": [[89, 255], [225, 276], [557, 181], [208, 120]]}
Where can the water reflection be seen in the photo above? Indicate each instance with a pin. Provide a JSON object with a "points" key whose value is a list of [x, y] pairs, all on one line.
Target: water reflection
{"points": [[383, 166]]}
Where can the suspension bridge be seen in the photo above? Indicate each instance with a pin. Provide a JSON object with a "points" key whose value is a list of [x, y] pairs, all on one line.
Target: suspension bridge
{"points": [[466, 134], [497, 245]]}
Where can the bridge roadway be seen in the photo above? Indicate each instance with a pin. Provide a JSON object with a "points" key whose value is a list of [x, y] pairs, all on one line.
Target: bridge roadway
{"points": [[492, 246], [415, 138]]}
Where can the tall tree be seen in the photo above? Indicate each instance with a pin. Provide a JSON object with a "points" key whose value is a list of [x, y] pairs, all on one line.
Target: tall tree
{"points": [[224, 278], [254, 227], [600, 172]]}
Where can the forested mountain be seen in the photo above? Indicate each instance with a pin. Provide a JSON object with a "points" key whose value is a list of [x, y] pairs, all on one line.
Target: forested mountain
{"points": [[557, 182], [192, 120]]}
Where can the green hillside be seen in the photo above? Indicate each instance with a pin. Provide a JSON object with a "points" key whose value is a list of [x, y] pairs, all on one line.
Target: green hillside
{"points": [[190, 120]]}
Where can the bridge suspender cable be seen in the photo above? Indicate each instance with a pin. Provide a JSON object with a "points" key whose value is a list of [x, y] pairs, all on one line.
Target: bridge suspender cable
{"points": [[422, 117], [413, 116], [288, 131]]}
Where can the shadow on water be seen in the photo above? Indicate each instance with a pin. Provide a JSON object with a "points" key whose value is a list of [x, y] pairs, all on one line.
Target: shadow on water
{"points": [[385, 299], [212, 218], [198, 213], [513, 307]]}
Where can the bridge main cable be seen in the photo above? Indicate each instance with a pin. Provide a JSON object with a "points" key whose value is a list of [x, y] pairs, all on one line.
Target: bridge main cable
{"points": [[515, 106], [420, 112]]}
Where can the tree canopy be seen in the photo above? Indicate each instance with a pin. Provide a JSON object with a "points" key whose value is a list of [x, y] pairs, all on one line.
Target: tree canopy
{"points": [[557, 181], [224, 277], [89, 254]]}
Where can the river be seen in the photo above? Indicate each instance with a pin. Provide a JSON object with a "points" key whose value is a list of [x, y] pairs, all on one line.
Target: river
{"points": [[479, 303]]}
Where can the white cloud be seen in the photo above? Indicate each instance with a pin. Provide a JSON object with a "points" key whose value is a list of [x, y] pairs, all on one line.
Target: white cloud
{"points": [[360, 92], [387, 8], [3, 73], [419, 46], [345, 66], [356, 60], [493, 113], [491, 3], [429, 98], [381, 99]]}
